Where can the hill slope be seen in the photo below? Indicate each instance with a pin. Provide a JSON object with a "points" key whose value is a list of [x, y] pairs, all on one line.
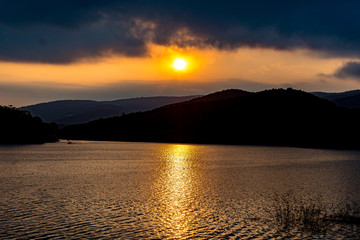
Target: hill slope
{"points": [[67, 112], [272, 117]]}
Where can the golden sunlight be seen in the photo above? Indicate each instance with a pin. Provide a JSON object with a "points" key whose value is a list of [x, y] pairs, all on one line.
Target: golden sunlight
{"points": [[179, 64], [166, 64], [175, 190]]}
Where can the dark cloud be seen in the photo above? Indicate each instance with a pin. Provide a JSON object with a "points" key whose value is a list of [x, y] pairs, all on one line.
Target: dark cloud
{"points": [[68, 30], [348, 70]]}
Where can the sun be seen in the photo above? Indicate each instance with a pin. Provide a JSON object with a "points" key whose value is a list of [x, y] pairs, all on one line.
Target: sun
{"points": [[179, 64]]}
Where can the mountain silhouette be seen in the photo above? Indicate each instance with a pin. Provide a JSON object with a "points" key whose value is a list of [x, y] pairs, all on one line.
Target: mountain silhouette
{"points": [[350, 102], [19, 127], [349, 99], [67, 112], [271, 117]]}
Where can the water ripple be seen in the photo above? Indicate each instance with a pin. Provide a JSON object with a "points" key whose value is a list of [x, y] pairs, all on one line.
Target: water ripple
{"points": [[95, 190]]}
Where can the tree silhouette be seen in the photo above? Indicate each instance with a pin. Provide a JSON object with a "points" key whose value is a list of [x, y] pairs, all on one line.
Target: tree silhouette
{"points": [[19, 126]]}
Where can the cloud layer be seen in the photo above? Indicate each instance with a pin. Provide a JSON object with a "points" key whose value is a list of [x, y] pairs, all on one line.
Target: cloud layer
{"points": [[69, 30], [348, 70]]}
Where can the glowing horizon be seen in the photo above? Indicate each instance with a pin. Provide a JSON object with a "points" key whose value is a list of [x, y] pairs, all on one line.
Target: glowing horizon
{"points": [[248, 69]]}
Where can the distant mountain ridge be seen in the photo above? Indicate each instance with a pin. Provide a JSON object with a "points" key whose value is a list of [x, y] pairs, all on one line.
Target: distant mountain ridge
{"points": [[335, 95], [271, 117], [66, 112], [349, 99]]}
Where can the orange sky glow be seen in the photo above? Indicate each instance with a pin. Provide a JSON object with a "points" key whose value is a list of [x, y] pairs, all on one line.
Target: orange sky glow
{"points": [[262, 66]]}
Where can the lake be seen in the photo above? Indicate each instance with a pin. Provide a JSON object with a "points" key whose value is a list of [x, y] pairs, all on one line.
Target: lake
{"points": [[124, 190]]}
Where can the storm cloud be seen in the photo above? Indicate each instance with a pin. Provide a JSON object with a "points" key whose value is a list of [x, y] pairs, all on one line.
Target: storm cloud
{"points": [[66, 31], [348, 70]]}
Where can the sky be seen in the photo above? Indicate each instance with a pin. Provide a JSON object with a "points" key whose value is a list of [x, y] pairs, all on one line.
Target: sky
{"points": [[113, 49]]}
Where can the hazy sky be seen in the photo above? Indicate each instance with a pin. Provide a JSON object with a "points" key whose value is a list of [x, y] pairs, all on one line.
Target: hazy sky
{"points": [[114, 49]]}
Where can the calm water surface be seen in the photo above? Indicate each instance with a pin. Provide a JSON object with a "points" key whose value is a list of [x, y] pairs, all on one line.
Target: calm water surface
{"points": [[165, 191]]}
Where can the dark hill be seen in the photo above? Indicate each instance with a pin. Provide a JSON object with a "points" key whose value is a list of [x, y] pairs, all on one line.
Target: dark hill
{"points": [[273, 117], [223, 95], [67, 112], [349, 102], [19, 127], [212, 97]]}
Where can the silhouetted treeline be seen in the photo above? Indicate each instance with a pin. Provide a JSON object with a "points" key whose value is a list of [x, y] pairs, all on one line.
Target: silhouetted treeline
{"points": [[18, 127], [272, 117]]}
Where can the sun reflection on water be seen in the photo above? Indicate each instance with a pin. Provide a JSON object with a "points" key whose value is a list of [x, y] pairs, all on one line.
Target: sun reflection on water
{"points": [[175, 192]]}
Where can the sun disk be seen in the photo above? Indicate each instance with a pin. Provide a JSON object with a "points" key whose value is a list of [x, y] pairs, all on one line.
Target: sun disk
{"points": [[179, 64]]}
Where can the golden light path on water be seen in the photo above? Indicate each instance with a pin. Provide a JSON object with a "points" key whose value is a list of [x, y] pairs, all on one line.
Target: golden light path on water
{"points": [[176, 192]]}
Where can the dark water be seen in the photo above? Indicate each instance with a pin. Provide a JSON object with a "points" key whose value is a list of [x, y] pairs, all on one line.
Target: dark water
{"points": [[114, 190]]}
